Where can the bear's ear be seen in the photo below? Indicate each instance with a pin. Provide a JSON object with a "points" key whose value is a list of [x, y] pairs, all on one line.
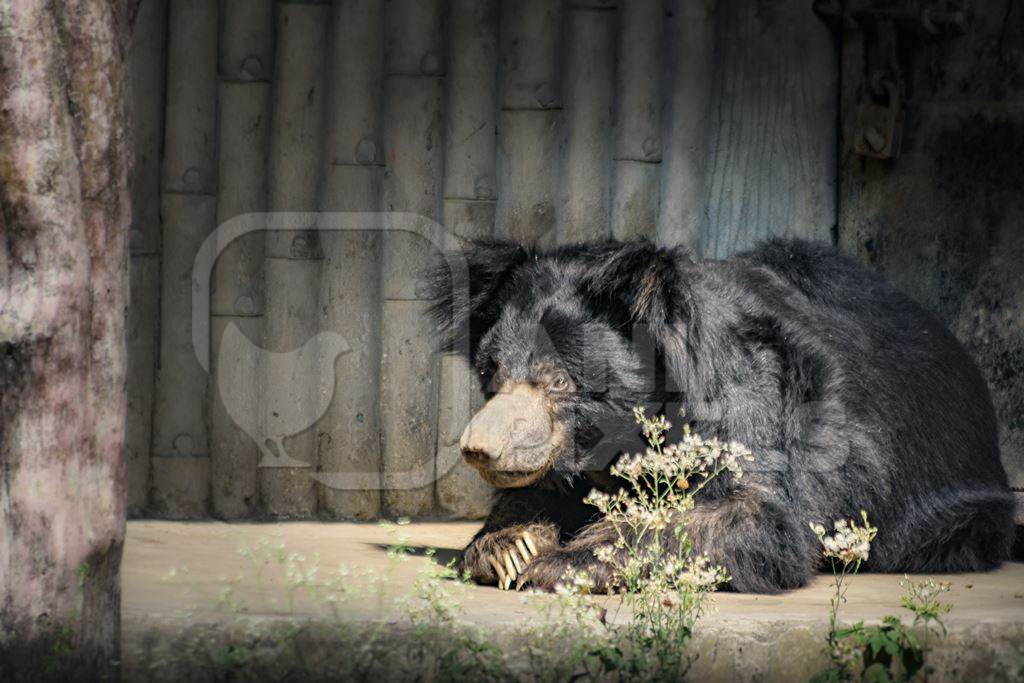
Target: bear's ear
{"points": [[469, 285], [646, 281]]}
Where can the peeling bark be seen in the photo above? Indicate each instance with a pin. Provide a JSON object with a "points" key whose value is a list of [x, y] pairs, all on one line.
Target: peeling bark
{"points": [[63, 293]]}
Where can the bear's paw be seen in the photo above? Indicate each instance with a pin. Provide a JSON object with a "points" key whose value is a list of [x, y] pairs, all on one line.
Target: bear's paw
{"points": [[500, 557]]}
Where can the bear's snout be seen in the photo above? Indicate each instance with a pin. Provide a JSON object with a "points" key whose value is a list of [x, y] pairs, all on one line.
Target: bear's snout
{"points": [[510, 440]]}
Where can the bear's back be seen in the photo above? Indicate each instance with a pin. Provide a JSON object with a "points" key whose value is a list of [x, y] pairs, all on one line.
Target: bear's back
{"points": [[901, 358]]}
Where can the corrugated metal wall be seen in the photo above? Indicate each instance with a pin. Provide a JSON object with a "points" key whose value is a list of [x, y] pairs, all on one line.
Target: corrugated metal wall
{"points": [[706, 123]]}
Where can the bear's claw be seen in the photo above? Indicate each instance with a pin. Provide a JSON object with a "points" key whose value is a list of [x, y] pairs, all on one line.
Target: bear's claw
{"points": [[515, 559], [503, 556]]}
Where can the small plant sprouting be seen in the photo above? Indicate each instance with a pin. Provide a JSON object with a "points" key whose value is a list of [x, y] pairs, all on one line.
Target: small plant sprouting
{"points": [[845, 549], [399, 547], [889, 651], [663, 583], [439, 646], [922, 598]]}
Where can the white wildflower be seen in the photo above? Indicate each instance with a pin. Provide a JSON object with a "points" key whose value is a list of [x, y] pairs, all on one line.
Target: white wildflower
{"points": [[605, 553], [850, 542]]}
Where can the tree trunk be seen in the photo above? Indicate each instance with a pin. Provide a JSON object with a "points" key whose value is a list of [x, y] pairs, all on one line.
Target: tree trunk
{"points": [[63, 291]]}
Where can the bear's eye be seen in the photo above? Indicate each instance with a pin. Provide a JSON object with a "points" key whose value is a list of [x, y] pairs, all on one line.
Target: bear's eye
{"points": [[559, 383]]}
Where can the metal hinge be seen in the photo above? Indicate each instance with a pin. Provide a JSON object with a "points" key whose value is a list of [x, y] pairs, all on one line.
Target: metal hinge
{"points": [[936, 17], [878, 122]]}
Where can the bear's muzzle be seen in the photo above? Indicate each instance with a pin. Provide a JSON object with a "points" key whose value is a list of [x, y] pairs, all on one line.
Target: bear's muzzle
{"points": [[513, 440]]}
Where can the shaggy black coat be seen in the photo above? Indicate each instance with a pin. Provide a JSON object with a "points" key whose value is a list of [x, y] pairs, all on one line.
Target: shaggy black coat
{"points": [[850, 395]]}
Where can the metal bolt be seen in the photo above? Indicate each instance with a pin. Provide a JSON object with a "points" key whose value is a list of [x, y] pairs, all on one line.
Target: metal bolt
{"points": [[183, 444], [874, 139], [192, 178], [650, 146], [245, 305], [303, 246], [430, 64], [544, 93], [483, 187], [252, 67], [135, 238], [422, 289], [366, 151]]}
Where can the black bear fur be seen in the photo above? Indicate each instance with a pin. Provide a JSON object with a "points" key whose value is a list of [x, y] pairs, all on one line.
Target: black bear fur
{"points": [[850, 395]]}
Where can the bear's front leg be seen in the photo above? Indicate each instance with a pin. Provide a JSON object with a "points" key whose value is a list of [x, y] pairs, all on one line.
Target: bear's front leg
{"points": [[579, 555], [754, 533], [519, 528], [751, 533]]}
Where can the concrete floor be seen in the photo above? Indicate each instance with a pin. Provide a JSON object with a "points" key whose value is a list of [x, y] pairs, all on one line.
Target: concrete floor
{"points": [[206, 555], [213, 582]]}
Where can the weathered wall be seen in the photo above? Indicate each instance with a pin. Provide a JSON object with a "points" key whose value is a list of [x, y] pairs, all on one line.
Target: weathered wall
{"points": [[690, 121], [945, 220]]}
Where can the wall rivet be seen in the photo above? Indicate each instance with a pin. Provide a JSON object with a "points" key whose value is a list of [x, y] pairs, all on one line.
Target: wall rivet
{"points": [[245, 305], [650, 146], [483, 187], [183, 444], [135, 238], [544, 94], [366, 151], [430, 64], [422, 289], [252, 67], [192, 179]]}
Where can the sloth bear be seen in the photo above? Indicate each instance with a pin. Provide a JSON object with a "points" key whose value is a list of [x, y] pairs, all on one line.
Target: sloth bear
{"points": [[849, 394]]}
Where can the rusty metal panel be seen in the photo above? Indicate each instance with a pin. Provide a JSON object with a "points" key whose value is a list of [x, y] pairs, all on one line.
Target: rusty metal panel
{"points": [[348, 435], [291, 365], [141, 332], [771, 164], [584, 204], [468, 213], [413, 137]]}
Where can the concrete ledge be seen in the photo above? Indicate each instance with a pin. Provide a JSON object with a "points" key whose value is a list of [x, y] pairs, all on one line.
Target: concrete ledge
{"points": [[218, 608]]}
